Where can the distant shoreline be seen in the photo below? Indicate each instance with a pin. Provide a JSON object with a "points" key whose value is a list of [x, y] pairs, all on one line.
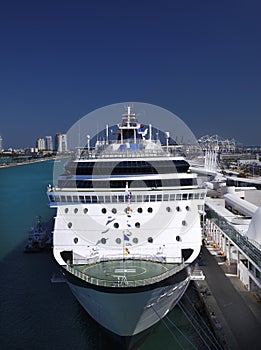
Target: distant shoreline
{"points": [[31, 161]]}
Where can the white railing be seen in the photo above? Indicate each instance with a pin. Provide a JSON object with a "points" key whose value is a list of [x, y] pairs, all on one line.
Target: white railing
{"points": [[57, 195], [121, 280]]}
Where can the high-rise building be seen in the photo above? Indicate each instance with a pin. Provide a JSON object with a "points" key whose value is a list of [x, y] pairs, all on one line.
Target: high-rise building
{"points": [[49, 143], [1, 143], [40, 144], [61, 142]]}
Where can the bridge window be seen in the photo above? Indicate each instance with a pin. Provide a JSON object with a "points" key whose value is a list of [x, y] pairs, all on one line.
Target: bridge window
{"points": [[166, 197], [88, 199], [100, 199]]}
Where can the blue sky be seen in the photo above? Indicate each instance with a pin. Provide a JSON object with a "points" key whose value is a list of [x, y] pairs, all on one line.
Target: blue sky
{"points": [[60, 60]]}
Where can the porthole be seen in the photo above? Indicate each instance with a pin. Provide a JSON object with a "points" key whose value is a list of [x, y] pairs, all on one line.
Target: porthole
{"points": [[150, 240], [75, 210], [135, 240], [184, 223], [104, 211], [168, 209], [85, 210], [66, 210], [114, 210], [187, 208], [75, 240], [178, 238], [118, 240], [69, 224], [150, 210], [116, 225], [103, 240], [137, 224], [178, 208], [139, 210]]}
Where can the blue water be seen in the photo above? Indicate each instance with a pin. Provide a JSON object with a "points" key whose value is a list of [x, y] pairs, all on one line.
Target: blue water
{"points": [[37, 314]]}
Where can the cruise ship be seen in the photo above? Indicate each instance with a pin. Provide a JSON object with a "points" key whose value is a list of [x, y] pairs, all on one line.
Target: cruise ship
{"points": [[127, 229]]}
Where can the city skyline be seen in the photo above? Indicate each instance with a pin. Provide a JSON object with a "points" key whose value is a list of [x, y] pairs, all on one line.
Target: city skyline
{"points": [[62, 60]]}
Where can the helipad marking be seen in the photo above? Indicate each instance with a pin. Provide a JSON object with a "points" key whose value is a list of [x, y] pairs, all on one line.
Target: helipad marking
{"points": [[125, 270]]}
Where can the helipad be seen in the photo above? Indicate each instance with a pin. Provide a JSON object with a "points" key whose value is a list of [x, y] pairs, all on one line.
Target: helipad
{"points": [[128, 272]]}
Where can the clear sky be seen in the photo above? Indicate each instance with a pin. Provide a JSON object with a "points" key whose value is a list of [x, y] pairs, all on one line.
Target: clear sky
{"points": [[200, 59]]}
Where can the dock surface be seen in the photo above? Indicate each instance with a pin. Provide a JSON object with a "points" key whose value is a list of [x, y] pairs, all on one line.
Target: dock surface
{"points": [[238, 316]]}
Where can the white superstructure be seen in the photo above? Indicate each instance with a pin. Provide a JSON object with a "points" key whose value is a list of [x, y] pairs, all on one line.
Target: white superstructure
{"points": [[127, 227]]}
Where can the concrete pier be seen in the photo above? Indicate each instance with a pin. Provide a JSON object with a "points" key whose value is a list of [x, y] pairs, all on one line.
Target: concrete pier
{"points": [[235, 314]]}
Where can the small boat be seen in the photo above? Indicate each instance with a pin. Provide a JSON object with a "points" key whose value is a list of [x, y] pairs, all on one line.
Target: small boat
{"points": [[39, 238]]}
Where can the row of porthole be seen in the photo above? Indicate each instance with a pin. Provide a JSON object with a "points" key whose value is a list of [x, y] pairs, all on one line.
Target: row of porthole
{"points": [[169, 209], [150, 210], [135, 240], [117, 240], [116, 225], [85, 210], [114, 210], [137, 224]]}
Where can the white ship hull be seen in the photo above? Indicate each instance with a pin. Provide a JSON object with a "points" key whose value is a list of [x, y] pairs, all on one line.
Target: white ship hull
{"points": [[127, 227], [127, 313]]}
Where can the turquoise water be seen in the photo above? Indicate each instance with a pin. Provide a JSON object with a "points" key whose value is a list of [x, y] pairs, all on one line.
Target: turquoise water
{"points": [[37, 314], [23, 197]]}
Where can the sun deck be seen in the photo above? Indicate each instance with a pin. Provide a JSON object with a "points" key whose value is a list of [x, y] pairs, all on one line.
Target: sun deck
{"points": [[124, 273]]}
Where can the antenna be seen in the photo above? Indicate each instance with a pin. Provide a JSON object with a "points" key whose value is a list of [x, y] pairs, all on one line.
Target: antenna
{"points": [[88, 142], [107, 134], [79, 135], [167, 134]]}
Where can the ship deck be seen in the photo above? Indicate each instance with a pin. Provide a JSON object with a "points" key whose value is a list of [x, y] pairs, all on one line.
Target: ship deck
{"points": [[124, 273]]}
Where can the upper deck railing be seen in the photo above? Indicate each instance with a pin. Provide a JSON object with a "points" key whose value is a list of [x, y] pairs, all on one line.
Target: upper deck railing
{"points": [[129, 149], [57, 195]]}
